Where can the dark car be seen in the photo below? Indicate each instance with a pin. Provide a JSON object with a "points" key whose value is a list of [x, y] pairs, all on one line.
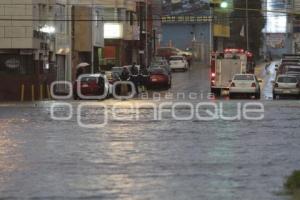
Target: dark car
{"points": [[159, 78], [92, 86]]}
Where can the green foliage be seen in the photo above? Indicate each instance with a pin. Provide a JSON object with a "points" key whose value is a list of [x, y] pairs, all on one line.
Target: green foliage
{"points": [[292, 185], [293, 182]]}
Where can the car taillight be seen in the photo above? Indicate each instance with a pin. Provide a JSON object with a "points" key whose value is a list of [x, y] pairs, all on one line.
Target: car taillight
{"points": [[93, 83], [232, 84], [213, 75], [276, 85], [253, 85]]}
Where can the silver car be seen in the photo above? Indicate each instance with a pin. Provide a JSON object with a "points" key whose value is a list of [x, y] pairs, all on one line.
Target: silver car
{"points": [[286, 86], [162, 64]]}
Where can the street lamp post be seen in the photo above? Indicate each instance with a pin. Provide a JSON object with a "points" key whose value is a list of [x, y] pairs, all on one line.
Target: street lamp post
{"points": [[141, 34], [247, 25], [146, 30], [92, 38], [222, 5], [211, 31]]}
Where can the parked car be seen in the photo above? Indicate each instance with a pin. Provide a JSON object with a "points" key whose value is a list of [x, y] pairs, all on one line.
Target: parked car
{"points": [[293, 71], [159, 78], [178, 63], [282, 68], [162, 64], [244, 84], [159, 58], [167, 52], [286, 86], [91, 85]]}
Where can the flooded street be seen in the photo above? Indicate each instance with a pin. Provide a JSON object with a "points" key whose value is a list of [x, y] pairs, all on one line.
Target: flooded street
{"points": [[42, 158]]}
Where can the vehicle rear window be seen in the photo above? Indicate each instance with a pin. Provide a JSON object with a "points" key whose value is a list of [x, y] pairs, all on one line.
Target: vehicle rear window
{"points": [[158, 63], [88, 79], [154, 65], [157, 71], [176, 58], [287, 79], [244, 77]]}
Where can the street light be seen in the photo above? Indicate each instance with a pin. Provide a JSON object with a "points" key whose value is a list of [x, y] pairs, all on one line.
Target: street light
{"points": [[47, 29], [224, 4]]}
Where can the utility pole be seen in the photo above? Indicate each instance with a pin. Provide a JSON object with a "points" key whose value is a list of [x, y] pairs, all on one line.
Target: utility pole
{"points": [[247, 25], [154, 42], [146, 35], [92, 38], [141, 47], [211, 32]]}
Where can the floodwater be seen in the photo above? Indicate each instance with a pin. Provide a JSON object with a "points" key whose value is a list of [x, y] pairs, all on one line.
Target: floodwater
{"points": [[130, 159]]}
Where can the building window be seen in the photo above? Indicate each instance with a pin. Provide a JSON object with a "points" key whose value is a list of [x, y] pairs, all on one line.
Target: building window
{"points": [[130, 17], [110, 14], [121, 13], [98, 18], [60, 16]]}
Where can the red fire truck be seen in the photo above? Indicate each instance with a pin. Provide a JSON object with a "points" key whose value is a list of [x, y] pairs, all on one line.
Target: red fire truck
{"points": [[224, 65]]}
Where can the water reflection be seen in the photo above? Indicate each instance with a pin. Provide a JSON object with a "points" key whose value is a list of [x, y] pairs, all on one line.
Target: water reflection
{"points": [[9, 154]]}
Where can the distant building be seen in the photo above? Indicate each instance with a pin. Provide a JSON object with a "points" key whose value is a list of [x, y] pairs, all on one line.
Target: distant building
{"points": [[188, 31], [296, 27], [278, 30]]}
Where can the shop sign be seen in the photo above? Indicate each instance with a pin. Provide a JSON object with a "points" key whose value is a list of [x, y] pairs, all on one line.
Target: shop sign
{"points": [[12, 63]]}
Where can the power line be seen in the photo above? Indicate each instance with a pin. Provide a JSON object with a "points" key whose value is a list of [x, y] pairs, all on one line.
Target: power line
{"points": [[125, 20]]}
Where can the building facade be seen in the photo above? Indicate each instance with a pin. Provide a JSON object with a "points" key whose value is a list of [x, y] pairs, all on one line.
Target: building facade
{"points": [[34, 48], [87, 36], [278, 32], [193, 29], [296, 27], [120, 33], [42, 41]]}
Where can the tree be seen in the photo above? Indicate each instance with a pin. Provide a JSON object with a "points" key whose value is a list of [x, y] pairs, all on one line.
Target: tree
{"points": [[238, 24]]}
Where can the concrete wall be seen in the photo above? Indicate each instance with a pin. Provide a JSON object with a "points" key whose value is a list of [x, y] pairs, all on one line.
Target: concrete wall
{"points": [[16, 33], [82, 29]]}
